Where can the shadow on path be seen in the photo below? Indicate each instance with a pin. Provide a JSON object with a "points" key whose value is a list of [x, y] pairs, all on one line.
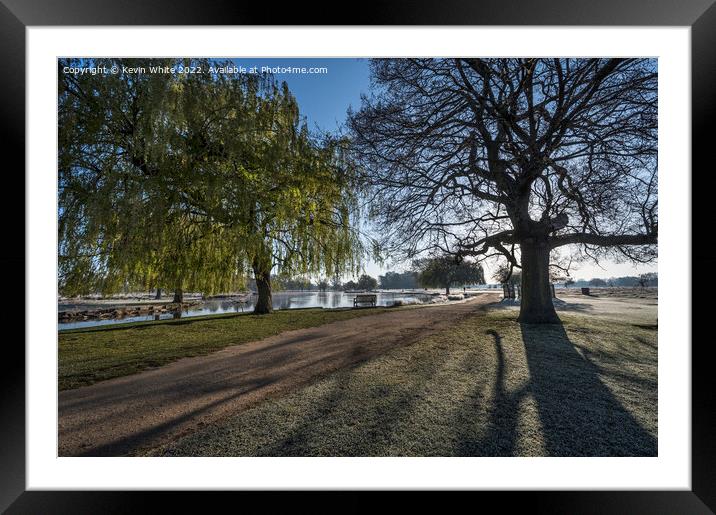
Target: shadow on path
{"points": [[575, 413], [502, 433], [580, 416]]}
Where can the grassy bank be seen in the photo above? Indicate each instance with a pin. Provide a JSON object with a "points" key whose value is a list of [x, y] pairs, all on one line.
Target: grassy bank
{"points": [[488, 387], [94, 354]]}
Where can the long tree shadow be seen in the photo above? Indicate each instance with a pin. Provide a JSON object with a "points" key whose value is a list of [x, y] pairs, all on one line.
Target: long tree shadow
{"points": [[580, 416], [502, 433]]}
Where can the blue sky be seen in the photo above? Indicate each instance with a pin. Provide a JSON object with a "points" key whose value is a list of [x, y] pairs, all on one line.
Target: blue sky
{"points": [[324, 100]]}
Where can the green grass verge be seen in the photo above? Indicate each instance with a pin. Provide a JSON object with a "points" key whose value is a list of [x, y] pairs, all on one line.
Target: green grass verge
{"points": [[95, 354], [488, 387]]}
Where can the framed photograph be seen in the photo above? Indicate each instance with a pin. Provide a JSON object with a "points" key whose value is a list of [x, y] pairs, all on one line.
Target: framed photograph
{"points": [[415, 250]]}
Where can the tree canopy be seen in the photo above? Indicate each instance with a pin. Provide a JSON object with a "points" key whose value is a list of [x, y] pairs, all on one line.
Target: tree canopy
{"points": [[366, 282], [190, 180], [123, 215], [446, 271]]}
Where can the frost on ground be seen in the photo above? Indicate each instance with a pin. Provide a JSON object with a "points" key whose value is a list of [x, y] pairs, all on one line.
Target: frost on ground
{"points": [[558, 303], [641, 309]]}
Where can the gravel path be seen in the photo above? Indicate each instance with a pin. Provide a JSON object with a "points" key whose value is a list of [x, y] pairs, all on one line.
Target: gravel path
{"points": [[130, 414]]}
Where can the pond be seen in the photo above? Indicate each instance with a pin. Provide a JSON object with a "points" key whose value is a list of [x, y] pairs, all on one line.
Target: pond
{"points": [[281, 300]]}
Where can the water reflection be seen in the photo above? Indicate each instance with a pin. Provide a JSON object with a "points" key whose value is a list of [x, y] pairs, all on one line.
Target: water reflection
{"points": [[281, 300]]}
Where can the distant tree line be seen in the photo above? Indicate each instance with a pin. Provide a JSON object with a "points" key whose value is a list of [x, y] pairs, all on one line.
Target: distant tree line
{"points": [[643, 280], [435, 272], [399, 280], [365, 282], [445, 271]]}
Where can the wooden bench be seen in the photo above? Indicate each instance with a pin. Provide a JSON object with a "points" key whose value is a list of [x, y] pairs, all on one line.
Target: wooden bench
{"points": [[365, 299]]}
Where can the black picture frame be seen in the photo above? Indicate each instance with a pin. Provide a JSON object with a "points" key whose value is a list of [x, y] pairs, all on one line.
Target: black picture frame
{"points": [[700, 15]]}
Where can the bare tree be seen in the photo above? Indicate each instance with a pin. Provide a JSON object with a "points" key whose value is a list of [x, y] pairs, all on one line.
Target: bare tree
{"points": [[512, 158]]}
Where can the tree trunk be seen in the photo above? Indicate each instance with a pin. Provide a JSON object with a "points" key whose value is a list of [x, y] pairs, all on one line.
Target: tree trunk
{"points": [[264, 304], [159, 294], [536, 296], [447, 290], [178, 296]]}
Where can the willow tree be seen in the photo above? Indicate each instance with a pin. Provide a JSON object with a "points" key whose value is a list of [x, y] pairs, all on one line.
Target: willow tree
{"points": [[123, 213], [286, 197], [302, 217], [513, 158]]}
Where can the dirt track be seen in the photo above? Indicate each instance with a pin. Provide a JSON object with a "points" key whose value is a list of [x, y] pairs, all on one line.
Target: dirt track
{"points": [[126, 415]]}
